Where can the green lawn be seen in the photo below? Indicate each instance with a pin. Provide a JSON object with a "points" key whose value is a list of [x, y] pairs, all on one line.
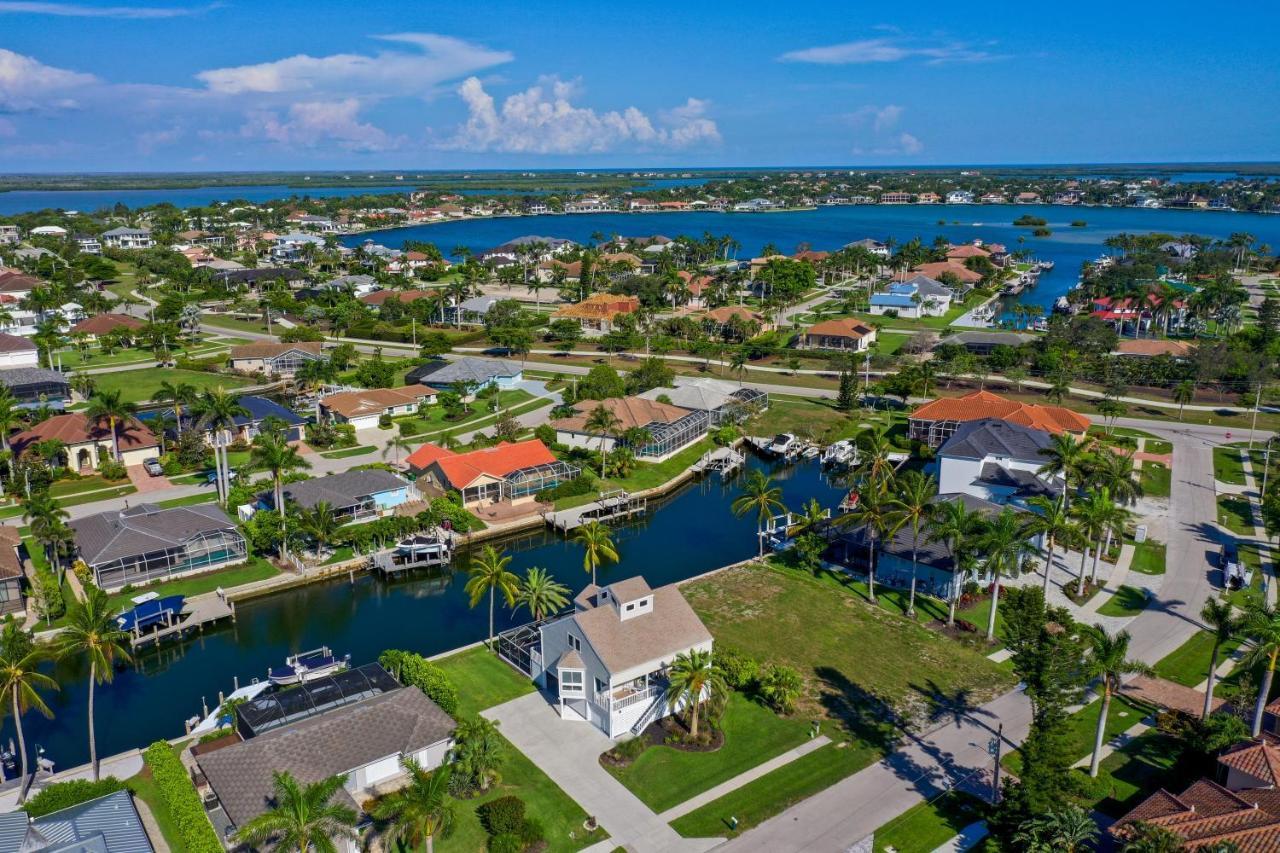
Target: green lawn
{"points": [[255, 570], [190, 500], [1126, 601], [105, 494], [1228, 466], [1157, 445], [1082, 727], [1133, 772], [344, 552], [888, 343], [66, 488], [819, 420], [663, 777], [1235, 515], [1148, 558], [138, 386], [348, 452], [1188, 664], [927, 826], [222, 321], [483, 680], [645, 475], [144, 787], [196, 479], [1156, 479], [434, 419]]}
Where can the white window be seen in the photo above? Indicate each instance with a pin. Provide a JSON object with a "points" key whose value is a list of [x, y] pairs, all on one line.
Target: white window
{"points": [[571, 681], [631, 606], [575, 643]]}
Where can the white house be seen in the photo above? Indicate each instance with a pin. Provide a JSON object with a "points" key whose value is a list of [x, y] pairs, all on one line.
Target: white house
{"points": [[9, 235], [606, 663], [997, 461], [17, 352], [916, 297], [128, 238], [959, 197]]}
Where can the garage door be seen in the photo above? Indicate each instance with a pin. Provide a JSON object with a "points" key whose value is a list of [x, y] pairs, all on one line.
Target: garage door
{"points": [[380, 770]]}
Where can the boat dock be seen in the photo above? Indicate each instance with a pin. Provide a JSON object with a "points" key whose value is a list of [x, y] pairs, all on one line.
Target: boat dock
{"points": [[196, 613], [420, 551], [725, 460], [610, 506]]}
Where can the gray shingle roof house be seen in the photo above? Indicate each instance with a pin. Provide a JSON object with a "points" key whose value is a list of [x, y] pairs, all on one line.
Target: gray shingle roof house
{"points": [[995, 460], [107, 824], [721, 400], [29, 384], [478, 371], [363, 741], [145, 543], [982, 343], [352, 495]]}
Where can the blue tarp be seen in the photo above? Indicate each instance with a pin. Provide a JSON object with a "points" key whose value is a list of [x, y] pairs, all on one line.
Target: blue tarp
{"points": [[158, 611]]}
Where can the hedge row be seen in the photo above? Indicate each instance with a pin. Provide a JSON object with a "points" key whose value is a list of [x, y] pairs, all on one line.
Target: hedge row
{"points": [[413, 669], [180, 797], [64, 795]]}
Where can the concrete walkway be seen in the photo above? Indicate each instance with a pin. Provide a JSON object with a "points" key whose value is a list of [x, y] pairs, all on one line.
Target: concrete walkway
{"points": [[743, 778]]}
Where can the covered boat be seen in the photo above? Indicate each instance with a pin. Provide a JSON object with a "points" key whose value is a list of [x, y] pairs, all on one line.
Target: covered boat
{"points": [[157, 611], [307, 666]]}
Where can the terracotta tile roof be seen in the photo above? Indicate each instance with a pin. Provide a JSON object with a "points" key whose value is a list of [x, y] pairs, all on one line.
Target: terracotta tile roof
{"points": [[1149, 690], [1207, 814], [378, 297], [695, 283], [811, 256], [724, 313], [621, 258], [101, 324], [600, 306], [10, 565], [462, 469], [373, 401], [1152, 347], [1260, 759], [960, 271], [74, 428], [984, 404], [630, 412], [846, 327], [572, 269], [967, 251], [271, 350]]}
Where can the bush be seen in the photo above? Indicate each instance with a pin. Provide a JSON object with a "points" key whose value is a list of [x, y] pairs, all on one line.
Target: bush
{"points": [[413, 669], [502, 816], [299, 334], [447, 510], [180, 797], [740, 671], [213, 364], [110, 469], [62, 795], [506, 843], [568, 489], [384, 421], [726, 435], [545, 433], [531, 832]]}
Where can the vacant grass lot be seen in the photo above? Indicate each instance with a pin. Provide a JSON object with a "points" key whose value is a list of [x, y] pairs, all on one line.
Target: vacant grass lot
{"points": [[137, 386], [818, 420], [927, 826], [1156, 479], [645, 475], [1148, 558], [1228, 466], [434, 419], [1235, 514], [483, 680]]}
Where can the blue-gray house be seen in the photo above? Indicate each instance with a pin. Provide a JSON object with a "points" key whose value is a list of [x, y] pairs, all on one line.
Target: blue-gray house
{"points": [[358, 495]]}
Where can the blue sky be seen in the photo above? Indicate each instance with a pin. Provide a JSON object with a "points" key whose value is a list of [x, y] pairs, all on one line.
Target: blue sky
{"points": [[317, 85]]}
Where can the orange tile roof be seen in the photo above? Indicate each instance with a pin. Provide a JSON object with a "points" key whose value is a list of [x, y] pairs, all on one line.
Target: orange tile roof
{"points": [[1207, 814], [722, 314], [960, 271], [1152, 347], [967, 251], [1260, 759], [984, 404], [100, 324], [378, 297], [600, 306], [462, 469], [846, 327]]}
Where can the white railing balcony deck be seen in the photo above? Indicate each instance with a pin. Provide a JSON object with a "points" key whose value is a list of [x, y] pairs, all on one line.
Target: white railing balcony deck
{"points": [[634, 696]]}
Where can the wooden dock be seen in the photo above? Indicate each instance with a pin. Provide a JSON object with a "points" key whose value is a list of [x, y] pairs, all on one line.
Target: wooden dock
{"points": [[726, 460], [609, 507], [196, 613]]}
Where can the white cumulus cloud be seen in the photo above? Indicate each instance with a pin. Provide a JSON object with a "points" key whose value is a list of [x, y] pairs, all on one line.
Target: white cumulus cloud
{"points": [[310, 124], [876, 128], [28, 85], [543, 120], [889, 49]]}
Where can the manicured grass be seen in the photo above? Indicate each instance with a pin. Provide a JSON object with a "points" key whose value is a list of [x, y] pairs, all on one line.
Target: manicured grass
{"points": [[345, 552], [66, 488], [434, 418], [645, 475], [927, 826], [144, 787], [1235, 515], [1228, 466], [818, 420], [663, 777], [1188, 664], [1148, 558], [774, 792], [483, 680], [14, 511], [137, 386], [1127, 431], [103, 495], [222, 321], [1157, 445], [1133, 772], [1126, 601], [190, 500], [560, 816], [1082, 726], [347, 452], [1248, 553], [888, 343], [1156, 479], [196, 479], [255, 570]]}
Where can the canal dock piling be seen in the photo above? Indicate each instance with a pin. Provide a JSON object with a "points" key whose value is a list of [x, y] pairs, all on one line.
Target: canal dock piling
{"points": [[609, 506], [724, 460], [196, 613]]}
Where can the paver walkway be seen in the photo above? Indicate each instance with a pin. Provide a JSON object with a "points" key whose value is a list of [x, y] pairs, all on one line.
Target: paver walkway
{"points": [[743, 778]]}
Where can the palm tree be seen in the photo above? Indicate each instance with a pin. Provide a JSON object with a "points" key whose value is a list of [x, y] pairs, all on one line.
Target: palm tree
{"points": [[396, 444], [597, 545], [217, 410], [1184, 392], [1109, 662], [1065, 458], [111, 407], [694, 678], [419, 811], [178, 393], [1053, 522], [320, 523], [1262, 627], [1221, 619], [957, 526], [1115, 471], [1065, 830], [913, 507], [10, 415], [302, 818], [761, 495], [540, 592], [272, 453], [1094, 517], [91, 631], [46, 518], [21, 681], [874, 513], [874, 448], [489, 574], [602, 422], [1005, 544]]}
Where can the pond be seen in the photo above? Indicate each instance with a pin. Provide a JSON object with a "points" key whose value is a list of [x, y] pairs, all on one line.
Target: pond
{"points": [[688, 533]]}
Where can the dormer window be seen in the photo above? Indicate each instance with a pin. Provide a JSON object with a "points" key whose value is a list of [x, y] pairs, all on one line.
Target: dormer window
{"points": [[575, 643]]}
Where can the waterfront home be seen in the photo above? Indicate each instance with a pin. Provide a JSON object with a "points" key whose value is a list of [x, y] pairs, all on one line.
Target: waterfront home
{"points": [[928, 198], [106, 824], [935, 422], [508, 473], [1134, 315], [10, 235], [356, 495], [994, 198], [128, 238], [365, 407], [538, 208], [547, 272], [478, 373], [959, 197], [86, 443], [589, 204], [967, 277], [997, 461], [895, 198], [984, 343], [846, 334], [255, 277], [378, 298], [517, 251], [145, 543], [34, 387], [279, 360], [359, 285], [17, 352], [247, 427], [360, 725], [598, 314], [917, 297], [875, 247], [663, 430], [724, 402], [606, 662], [1027, 198], [641, 205], [293, 247], [964, 251], [12, 573], [754, 205], [98, 325], [1241, 811]]}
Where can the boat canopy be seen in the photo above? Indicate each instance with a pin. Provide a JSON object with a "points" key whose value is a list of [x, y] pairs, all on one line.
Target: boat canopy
{"points": [[157, 611]]}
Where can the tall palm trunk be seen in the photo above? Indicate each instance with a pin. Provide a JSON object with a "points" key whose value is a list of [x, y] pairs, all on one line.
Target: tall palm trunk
{"points": [[1097, 553], [1208, 691], [995, 601], [1263, 693], [490, 618], [1048, 567], [93, 739], [1100, 732], [911, 599], [22, 748], [115, 439], [284, 528], [1084, 558], [871, 569]]}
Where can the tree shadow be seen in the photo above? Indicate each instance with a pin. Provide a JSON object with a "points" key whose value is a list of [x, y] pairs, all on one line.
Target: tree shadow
{"points": [[953, 706], [865, 716]]}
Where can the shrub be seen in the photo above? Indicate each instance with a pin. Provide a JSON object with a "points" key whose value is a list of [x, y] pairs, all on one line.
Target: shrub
{"points": [[413, 669], [545, 433], [213, 364], [630, 750], [531, 831], [62, 795], [781, 686], [447, 510], [726, 435], [299, 334], [502, 816], [384, 421], [180, 797], [568, 489], [111, 469], [740, 671], [506, 843]]}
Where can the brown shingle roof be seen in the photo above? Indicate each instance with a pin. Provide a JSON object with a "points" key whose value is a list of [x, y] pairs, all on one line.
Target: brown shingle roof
{"points": [[13, 343], [1153, 347], [630, 412], [10, 565], [623, 644], [101, 324], [373, 401], [75, 428], [270, 350]]}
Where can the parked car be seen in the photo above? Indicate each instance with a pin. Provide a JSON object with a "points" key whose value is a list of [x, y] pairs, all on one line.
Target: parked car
{"points": [[1234, 574], [153, 467]]}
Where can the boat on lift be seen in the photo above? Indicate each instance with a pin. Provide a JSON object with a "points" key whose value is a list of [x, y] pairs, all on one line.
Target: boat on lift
{"points": [[841, 453], [307, 666], [150, 613], [849, 502], [783, 444], [1045, 265]]}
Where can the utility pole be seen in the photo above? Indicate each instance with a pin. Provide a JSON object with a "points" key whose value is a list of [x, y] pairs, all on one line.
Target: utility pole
{"points": [[1266, 467], [994, 748], [1257, 402]]}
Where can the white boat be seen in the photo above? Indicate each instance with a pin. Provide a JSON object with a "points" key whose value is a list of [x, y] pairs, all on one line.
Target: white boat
{"points": [[843, 452], [1046, 265], [307, 666], [783, 444]]}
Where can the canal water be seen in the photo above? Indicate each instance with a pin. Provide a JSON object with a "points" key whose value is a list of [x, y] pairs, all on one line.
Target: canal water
{"points": [[829, 228], [688, 533]]}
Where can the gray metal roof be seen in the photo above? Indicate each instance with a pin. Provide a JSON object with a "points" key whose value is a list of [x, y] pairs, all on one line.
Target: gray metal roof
{"points": [[342, 490], [478, 370], [926, 286], [108, 823], [703, 393], [13, 829], [127, 232], [120, 534], [993, 437]]}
